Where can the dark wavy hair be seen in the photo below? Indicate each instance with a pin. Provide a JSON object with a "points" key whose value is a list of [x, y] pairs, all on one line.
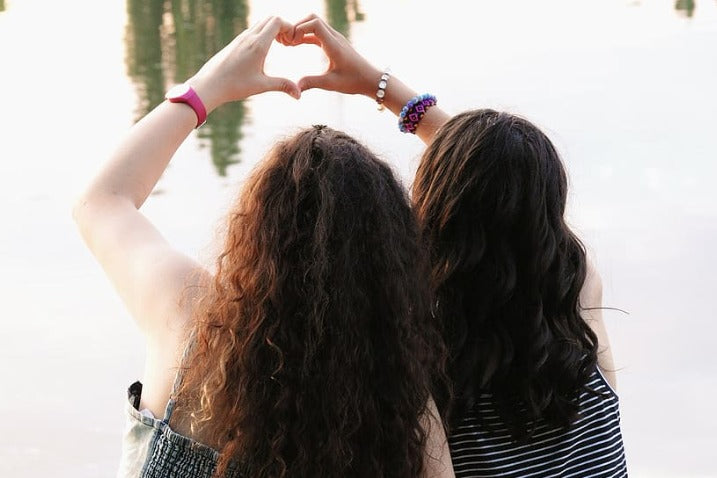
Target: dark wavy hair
{"points": [[314, 349], [490, 195]]}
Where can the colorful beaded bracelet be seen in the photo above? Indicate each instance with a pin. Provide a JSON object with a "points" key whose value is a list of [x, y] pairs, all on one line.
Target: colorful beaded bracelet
{"points": [[413, 112]]}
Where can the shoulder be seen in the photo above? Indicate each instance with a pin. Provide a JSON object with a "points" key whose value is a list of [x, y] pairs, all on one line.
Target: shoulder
{"points": [[591, 293], [591, 307]]}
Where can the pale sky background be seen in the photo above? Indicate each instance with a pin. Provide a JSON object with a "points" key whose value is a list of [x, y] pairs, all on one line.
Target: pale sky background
{"points": [[624, 88]]}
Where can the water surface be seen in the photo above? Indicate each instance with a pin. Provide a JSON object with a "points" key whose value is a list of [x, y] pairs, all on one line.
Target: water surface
{"points": [[624, 88]]}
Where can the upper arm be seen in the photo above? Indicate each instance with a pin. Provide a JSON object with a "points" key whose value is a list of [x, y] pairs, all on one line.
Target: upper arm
{"points": [[437, 456], [591, 311], [155, 281]]}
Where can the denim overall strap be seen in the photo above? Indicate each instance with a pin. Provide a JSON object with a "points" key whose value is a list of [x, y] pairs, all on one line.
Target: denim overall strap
{"points": [[178, 380]]}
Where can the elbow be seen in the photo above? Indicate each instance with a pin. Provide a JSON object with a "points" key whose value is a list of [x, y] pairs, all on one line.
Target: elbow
{"points": [[80, 215], [92, 212], [86, 210], [80, 207], [77, 208]]}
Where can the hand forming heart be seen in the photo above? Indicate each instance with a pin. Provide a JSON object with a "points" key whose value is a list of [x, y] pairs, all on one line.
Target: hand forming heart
{"points": [[237, 71]]}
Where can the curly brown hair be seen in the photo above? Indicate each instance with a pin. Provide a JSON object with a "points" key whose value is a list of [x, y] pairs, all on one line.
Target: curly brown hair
{"points": [[490, 195], [314, 348]]}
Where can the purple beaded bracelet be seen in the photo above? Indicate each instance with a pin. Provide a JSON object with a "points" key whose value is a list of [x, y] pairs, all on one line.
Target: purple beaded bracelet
{"points": [[413, 112]]}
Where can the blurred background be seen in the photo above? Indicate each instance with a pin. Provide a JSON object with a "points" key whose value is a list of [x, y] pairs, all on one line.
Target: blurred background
{"points": [[625, 88]]}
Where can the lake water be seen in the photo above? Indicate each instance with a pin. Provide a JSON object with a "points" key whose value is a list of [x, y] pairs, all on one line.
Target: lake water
{"points": [[625, 88]]}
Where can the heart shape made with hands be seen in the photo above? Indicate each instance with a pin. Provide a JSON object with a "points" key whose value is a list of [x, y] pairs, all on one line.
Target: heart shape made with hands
{"points": [[347, 71], [244, 67], [302, 37], [295, 62]]}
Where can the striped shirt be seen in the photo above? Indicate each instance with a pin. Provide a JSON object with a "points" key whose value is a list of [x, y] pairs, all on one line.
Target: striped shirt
{"points": [[591, 447]]}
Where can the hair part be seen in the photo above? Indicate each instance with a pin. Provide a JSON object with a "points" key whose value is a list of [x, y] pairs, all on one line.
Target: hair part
{"points": [[490, 195]]}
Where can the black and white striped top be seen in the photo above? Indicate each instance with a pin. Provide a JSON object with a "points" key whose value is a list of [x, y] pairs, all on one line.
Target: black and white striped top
{"points": [[590, 447]]}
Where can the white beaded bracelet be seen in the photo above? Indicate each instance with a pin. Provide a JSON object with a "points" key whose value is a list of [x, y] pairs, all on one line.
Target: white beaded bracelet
{"points": [[381, 92]]}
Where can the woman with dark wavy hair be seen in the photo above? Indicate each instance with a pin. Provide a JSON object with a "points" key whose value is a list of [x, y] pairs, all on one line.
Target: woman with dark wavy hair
{"points": [[310, 351], [518, 300]]}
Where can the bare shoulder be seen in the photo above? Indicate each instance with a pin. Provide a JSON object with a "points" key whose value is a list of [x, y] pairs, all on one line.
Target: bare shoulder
{"points": [[591, 293], [437, 456], [591, 303], [168, 316]]}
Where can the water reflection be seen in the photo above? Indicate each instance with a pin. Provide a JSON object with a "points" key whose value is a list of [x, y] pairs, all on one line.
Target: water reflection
{"points": [[687, 7], [340, 12], [167, 41], [144, 53]]}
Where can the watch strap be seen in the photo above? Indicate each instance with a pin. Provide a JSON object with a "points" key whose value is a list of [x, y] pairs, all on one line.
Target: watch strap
{"points": [[186, 94]]}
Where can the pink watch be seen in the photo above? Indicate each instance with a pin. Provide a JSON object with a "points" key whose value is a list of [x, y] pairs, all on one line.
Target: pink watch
{"points": [[185, 94]]}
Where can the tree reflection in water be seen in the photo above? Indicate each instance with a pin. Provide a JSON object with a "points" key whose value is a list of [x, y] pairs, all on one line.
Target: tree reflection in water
{"points": [[167, 41], [339, 13], [687, 7]]}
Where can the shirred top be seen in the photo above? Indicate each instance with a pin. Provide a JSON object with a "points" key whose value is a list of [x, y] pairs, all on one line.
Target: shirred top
{"points": [[482, 446], [151, 449]]}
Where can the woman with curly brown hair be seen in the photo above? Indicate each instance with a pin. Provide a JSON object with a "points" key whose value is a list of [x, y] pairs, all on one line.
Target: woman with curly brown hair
{"points": [[517, 297], [310, 351]]}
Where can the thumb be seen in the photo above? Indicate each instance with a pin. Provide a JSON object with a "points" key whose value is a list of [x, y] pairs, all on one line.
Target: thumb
{"points": [[284, 85], [318, 81]]}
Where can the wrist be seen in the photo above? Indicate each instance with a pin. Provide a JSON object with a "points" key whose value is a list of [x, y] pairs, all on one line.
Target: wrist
{"points": [[369, 84], [185, 94], [206, 92], [397, 94]]}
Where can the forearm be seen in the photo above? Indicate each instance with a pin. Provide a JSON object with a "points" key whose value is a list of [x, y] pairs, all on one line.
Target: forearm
{"points": [[232, 74], [351, 73], [398, 94], [139, 161], [151, 277]]}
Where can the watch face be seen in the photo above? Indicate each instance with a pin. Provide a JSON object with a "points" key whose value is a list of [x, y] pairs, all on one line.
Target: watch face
{"points": [[177, 91]]}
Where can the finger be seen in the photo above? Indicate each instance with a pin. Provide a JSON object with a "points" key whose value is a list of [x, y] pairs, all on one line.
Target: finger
{"points": [[275, 27], [283, 85], [317, 81], [257, 27], [309, 17], [284, 38], [327, 27], [286, 35], [314, 27]]}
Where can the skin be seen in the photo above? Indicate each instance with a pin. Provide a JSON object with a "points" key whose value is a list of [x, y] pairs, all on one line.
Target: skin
{"points": [[350, 73], [151, 277], [591, 301]]}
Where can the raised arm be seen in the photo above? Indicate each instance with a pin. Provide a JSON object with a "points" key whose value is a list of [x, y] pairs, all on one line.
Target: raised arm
{"points": [[351, 73], [149, 275]]}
